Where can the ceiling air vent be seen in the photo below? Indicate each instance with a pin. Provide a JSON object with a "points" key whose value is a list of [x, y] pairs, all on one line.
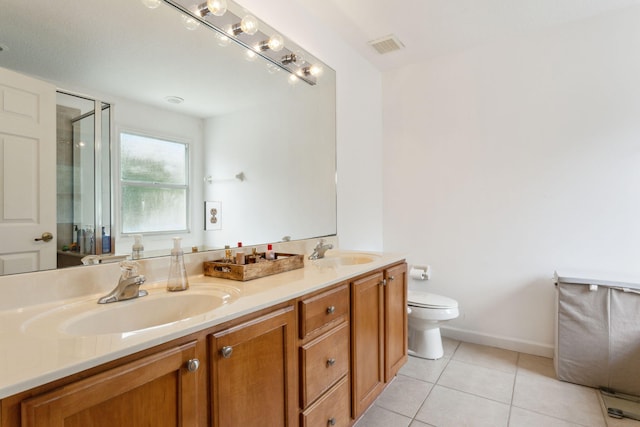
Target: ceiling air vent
{"points": [[386, 44]]}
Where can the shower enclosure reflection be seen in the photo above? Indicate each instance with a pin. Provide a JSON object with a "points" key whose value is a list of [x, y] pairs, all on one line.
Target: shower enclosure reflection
{"points": [[83, 183]]}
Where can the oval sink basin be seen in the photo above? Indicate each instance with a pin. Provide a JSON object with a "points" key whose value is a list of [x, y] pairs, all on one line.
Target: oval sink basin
{"points": [[152, 311], [345, 259]]}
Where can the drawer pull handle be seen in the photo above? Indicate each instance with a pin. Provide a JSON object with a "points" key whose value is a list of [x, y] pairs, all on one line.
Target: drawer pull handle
{"points": [[331, 309], [226, 351], [331, 362], [331, 421], [193, 365]]}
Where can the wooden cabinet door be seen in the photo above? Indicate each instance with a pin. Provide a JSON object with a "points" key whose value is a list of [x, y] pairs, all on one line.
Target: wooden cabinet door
{"points": [[395, 325], [158, 390], [253, 372], [367, 341]]}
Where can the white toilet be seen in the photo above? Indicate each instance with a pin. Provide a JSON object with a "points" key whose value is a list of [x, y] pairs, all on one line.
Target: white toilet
{"points": [[426, 312]]}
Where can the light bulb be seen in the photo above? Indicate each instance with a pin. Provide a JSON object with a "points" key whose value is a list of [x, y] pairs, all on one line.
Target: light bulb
{"points": [[249, 24], [276, 42], [190, 23], [316, 70], [151, 4], [217, 7]]}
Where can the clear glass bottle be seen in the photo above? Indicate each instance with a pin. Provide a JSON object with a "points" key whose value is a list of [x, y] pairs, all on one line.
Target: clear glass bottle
{"points": [[228, 255], [177, 280], [137, 248]]}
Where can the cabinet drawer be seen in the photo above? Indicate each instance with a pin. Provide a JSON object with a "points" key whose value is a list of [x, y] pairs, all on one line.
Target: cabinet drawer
{"points": [[323, 361], [322, 309], [331, 410]]}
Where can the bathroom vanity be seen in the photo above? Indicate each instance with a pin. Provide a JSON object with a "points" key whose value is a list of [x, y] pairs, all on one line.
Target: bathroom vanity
{"points": [[310, 347]]}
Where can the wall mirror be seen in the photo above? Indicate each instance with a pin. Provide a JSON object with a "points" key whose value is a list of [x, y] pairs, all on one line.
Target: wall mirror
{"points": [[261, 156]]}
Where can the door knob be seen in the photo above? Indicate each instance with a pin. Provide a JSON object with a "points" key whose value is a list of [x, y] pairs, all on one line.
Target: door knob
{"points": [[331, 309], [46, 236]]}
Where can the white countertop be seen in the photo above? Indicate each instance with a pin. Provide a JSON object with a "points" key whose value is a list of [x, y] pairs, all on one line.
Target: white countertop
{"points": [[32, 356]]}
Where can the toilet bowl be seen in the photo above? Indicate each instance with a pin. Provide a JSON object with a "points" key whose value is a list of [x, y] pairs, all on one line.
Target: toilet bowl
{"points": [[426, 312]]}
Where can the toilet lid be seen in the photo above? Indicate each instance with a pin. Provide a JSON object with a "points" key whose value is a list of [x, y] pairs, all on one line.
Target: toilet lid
{"points": [[429, 300]]}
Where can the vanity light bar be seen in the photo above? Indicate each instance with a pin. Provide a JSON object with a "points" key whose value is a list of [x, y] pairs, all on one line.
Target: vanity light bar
{"points": [[228, 25]]}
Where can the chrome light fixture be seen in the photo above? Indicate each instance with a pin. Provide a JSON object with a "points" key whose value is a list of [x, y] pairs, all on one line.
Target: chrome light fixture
{"points": [[228, 26]]}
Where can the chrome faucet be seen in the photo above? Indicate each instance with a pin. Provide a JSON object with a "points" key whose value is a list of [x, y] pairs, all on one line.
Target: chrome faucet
{"points": [[320, 249], [128, 285]]}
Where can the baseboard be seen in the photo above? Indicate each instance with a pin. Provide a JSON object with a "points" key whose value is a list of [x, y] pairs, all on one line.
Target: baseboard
{"points": [[506, 343]]}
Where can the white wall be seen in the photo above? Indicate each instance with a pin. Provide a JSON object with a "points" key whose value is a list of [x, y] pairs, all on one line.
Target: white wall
{"points": [[359, 120], [509, 161]]}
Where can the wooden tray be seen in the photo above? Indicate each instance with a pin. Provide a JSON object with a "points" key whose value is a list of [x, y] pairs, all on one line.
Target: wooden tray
{"points": [[283, 262]]}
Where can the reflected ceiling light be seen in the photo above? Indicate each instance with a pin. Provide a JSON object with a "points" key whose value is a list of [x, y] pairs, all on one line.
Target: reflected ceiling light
{"points": [[251, 55], [174, 100], [275, 43], [293, 79], [190, 23], [248, 25], [272, 69], [151, 4], [222, 40], [214, 7]]}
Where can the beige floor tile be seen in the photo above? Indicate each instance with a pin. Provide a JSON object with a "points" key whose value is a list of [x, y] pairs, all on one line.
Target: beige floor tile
{"points": [[380, 417], [419, 424], [451, 408], [404, 395], [478, 380], [523, 418], [489, 357], [558, 399], [449, 346], [536, 365], [424, 369]]}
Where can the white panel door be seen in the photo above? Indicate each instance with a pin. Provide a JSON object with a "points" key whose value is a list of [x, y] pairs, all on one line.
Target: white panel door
{"points": [[27, 173]]}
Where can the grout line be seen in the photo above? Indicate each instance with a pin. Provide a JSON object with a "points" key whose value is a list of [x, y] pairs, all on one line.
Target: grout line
{"points": [[513, 388]]}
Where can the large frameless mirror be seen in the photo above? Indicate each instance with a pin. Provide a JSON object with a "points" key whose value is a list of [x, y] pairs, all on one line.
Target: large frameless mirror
{"points": [[256, 126]]}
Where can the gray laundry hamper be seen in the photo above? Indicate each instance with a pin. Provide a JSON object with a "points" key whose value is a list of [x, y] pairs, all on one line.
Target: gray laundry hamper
{"points": [[598, 333]]}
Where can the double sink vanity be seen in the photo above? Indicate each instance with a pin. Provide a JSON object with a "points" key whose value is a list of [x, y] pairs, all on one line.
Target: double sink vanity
{"points": [[310, 347]]}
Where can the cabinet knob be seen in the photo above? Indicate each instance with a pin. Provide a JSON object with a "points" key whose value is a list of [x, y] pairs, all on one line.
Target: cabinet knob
{"points": [[383, 282], [226, 351], [331, 361], [193, 365], [331, 309], [331, 421], [391, 278]]}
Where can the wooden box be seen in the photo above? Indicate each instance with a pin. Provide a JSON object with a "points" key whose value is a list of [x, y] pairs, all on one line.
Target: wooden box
{"points": [[283, 262]]}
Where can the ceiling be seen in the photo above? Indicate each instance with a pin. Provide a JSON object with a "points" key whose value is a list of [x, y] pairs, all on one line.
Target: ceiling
{"points": [[432, 28]]}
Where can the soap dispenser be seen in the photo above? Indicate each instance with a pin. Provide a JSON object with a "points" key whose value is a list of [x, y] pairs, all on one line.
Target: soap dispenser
{"points": [[137, 248], [178, 280]]}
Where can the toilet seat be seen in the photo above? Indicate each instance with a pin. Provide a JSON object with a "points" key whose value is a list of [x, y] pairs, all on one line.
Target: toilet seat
{"points": [[429, 300]]}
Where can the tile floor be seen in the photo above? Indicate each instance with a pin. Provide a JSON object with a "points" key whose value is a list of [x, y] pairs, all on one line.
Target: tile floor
{"points": [[475, 386]]}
